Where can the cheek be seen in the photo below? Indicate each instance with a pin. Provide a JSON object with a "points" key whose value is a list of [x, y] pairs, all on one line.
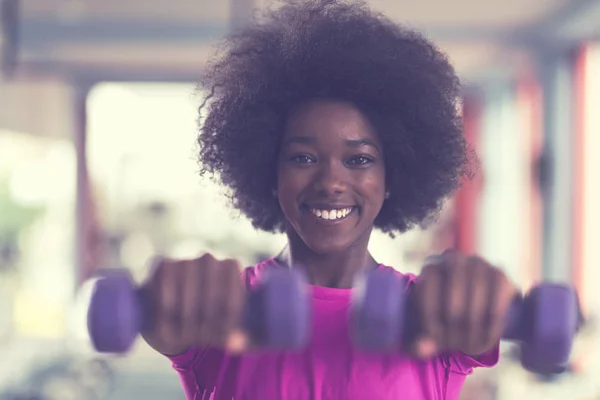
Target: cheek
{"points": [[374, 187], [285, 181], [289, 185]]}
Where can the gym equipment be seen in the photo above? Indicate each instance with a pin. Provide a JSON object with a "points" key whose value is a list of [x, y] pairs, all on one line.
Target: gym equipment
{"points": [[276, 314], [545, 321]]}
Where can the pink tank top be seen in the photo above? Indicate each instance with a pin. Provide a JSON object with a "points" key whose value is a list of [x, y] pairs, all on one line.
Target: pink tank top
{"points": [[331, 368]]}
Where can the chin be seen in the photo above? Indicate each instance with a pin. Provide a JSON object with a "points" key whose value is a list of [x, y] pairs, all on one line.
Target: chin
{"points": [[325, 247]]}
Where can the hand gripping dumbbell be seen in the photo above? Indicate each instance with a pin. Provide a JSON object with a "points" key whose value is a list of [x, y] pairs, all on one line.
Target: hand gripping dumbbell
{"points": [[545, 321], [276, 314]]}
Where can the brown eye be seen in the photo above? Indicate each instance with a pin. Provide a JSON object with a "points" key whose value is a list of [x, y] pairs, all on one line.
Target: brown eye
{"points": [[359, 160], [302, 159]]}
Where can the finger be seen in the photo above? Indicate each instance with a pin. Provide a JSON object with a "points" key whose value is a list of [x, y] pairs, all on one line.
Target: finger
{"points": [[428, 300], [169, 314], [216, 308], [230, 304], [191, 302], [504, 295], [238, 342], [208, 291], [237, 338], [154, 266], [457, 291], [150, 296], [478, 305]]}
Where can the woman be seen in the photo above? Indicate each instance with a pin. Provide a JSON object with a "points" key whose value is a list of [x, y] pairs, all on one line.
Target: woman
{"points": [[326, 121]]}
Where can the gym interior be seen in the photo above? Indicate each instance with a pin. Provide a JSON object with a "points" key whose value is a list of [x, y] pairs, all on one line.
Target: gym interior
{"points": [[98, 114]]}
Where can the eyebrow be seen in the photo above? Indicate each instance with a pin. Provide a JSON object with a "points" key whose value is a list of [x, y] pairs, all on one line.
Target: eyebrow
{"points": [[350, 142], [362, 142], [300, 140]]}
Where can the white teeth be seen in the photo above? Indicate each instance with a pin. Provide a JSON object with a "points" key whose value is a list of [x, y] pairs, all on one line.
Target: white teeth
{"points": [[331, 214]]}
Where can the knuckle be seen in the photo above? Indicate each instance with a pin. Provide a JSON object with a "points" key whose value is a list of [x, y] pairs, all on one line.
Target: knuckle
{"points": [[433, 260], [452, 256], [480, 263], [157, 267], [231, 264], [207, 263], [428, 270], [450, 252], [498, 277], [474, 259], [206, 257], [167, 268], [156, 263]]}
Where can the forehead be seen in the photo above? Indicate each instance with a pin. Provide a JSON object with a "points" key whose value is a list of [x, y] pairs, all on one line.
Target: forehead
{"points": [[329, 120]]}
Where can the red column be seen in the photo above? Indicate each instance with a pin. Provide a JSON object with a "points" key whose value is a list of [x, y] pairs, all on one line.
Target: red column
{"points": [[466, 200], [580, 75]]}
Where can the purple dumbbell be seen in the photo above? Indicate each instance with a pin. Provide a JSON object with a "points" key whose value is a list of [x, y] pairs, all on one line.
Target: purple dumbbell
{"points": [[276, 314], [545, 321]]}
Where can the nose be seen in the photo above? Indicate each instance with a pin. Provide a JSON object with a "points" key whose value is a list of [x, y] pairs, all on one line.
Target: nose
{"points": [[331, 179]]}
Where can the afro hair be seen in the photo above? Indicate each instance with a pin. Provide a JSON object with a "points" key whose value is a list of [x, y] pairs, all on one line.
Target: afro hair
{"points": [[339, 50]]}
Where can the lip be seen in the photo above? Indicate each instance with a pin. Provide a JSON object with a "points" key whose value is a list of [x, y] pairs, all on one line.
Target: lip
{"points": [[324, 206]]}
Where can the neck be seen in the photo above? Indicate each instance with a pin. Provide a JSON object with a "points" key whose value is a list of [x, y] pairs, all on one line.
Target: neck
{"points": [[335, 270]]}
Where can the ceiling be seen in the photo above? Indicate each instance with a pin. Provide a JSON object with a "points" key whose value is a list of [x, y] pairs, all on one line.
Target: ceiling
{"points": [[170, 40]]}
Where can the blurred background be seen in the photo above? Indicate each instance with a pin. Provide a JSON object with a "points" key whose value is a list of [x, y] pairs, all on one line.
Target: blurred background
{"points": [[97, 169]]}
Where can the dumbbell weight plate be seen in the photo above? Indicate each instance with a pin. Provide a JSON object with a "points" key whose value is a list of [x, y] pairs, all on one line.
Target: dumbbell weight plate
{"points": [[551, 318], [114, 315], [286, 306], [378, 310]]}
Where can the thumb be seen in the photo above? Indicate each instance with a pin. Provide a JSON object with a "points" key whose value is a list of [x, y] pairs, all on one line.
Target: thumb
{"points": [[237, 342], [425, 347]]}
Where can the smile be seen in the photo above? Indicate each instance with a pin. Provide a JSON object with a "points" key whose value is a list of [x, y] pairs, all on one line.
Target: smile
{"points": [[331, 214]]}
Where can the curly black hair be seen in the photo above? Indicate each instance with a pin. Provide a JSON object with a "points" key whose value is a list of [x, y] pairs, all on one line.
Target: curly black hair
{"points": [[337, 50]]}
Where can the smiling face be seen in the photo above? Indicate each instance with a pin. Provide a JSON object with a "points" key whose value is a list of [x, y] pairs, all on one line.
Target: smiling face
{"points": [[331, 176]]}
